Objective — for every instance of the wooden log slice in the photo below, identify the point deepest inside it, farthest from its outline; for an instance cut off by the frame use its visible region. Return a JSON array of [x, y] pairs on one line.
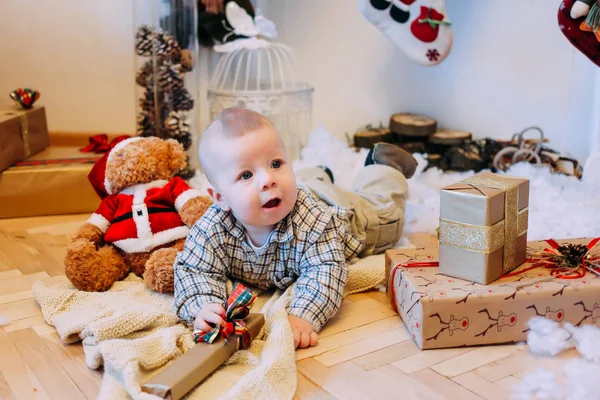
[[449, 137], [368, 137], [409, 124]]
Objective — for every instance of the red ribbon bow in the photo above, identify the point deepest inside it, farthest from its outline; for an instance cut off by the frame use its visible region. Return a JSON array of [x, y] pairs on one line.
[[100, 144]]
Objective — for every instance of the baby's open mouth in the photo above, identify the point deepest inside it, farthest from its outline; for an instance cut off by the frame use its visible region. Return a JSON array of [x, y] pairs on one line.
[[272, 203]]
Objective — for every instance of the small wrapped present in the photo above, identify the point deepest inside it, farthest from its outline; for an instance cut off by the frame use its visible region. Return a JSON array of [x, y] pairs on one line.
[[483, 226], [52, 182], [23, 133], [211, 351], [561, 283]]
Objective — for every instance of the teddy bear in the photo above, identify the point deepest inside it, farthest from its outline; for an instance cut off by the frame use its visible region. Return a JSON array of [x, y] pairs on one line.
[[142, 221]]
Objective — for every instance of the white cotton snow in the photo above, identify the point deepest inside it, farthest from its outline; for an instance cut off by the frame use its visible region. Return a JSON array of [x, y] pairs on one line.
[[547, 337], [539, 384], [587, 339], [3, 320]]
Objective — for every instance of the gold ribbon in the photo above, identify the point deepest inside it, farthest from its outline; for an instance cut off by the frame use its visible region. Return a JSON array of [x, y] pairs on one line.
[[487, 239], [24, 128]]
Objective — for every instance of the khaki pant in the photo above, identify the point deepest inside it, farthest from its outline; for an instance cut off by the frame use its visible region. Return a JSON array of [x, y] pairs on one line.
[[376, 203]]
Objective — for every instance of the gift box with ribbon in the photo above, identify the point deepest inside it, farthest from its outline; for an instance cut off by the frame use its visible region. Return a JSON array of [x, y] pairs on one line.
[[483, 226], [52, 182], [23, 133], [560, 281], [213, 348]]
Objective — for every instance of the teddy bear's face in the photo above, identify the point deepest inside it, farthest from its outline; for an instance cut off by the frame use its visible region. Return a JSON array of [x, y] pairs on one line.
[[144, 161]]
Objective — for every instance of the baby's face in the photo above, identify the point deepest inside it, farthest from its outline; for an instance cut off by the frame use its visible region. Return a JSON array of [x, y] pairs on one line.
[[254, 178]]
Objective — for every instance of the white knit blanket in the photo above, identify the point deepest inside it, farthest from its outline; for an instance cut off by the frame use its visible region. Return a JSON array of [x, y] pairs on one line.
[[134, 333]]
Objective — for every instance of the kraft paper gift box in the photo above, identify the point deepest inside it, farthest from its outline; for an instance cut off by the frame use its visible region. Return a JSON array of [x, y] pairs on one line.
[[23, 133], [190, 369], [483, 226], [52, 182], [440, 311]]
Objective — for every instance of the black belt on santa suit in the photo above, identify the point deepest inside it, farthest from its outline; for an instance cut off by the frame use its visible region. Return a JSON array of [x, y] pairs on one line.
[[151, 210]]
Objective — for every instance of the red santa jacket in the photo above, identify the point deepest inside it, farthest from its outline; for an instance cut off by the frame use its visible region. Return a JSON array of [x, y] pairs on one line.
[[144, 216]]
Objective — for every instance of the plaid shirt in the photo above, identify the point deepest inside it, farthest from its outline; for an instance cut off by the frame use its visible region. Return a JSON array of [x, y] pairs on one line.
[[310, 246]]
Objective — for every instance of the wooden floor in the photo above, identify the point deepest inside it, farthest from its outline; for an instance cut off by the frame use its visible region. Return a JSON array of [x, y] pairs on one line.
[[364, 353]]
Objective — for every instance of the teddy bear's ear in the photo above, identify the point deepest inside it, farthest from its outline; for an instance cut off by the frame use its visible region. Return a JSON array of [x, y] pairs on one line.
[[178, 155]]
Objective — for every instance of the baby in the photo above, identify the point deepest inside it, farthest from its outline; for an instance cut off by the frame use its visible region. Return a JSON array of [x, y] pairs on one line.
[[270, 228]]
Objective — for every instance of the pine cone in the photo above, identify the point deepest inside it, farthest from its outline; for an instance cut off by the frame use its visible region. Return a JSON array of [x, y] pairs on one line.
[[143, 41], [147, 103], [187, 172], [178, 128], [182, 100], [166, 45], [186, 60], [144, 75], [169, 78], [145, 127]]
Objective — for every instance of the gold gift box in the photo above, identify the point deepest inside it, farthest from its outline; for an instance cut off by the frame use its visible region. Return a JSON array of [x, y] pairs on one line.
[[58, 184], [189, 370], [441, 312], [483, 226], [22, 134]]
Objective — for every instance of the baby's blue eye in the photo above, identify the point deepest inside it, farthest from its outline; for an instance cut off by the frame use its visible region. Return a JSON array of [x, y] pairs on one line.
[[246, 175], [276, 164]]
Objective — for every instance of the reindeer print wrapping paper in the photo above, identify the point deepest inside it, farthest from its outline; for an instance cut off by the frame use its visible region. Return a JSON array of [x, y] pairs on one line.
[[441, 311]]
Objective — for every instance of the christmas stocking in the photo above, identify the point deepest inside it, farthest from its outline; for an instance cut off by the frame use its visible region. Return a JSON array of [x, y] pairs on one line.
[[420, 28], [579, 21]]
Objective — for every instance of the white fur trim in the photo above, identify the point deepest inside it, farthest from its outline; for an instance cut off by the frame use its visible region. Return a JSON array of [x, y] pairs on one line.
[[139, 212], [117, 147], [147, 244], [99, 221], [132, 190], [184, 197]]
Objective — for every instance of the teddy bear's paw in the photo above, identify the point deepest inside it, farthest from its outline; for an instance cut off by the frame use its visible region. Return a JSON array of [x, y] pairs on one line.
[[93, 270], [159, 270]]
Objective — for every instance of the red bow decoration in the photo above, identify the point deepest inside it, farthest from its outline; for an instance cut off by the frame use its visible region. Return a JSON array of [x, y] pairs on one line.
[[238, 307], [100, 144]]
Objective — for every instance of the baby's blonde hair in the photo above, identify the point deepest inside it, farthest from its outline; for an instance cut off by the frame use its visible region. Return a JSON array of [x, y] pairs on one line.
[[230, 123]]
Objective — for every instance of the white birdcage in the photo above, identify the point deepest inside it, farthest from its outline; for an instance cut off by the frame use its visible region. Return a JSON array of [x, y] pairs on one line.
[[257, 74]]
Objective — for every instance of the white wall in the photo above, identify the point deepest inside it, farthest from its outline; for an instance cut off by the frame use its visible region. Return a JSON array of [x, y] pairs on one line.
[[78, 54], [509, 68]]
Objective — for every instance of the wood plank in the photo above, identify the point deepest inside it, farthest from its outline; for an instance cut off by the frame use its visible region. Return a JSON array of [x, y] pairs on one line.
[[449, 388], [36, 323], [356, 320], [87, 380], [350, 336], [381, 297], [483, 388], [15, 371], [347, 309], [307, 390], [504, 367], [387, 355], [5, 392], [380, 380], [45, 365], [362, 347], [508, 383], [473, 359], [20, 309], [21, 257], [21, 283], [38, 250], [427, 358], [333, 381], [13, 297], [11, 273]]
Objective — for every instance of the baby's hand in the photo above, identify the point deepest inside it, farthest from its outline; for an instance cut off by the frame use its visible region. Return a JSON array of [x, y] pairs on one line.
[[210, 313], [304, 332]]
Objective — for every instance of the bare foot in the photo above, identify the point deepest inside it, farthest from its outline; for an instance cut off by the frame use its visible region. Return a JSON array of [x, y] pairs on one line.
[[304, 332]]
